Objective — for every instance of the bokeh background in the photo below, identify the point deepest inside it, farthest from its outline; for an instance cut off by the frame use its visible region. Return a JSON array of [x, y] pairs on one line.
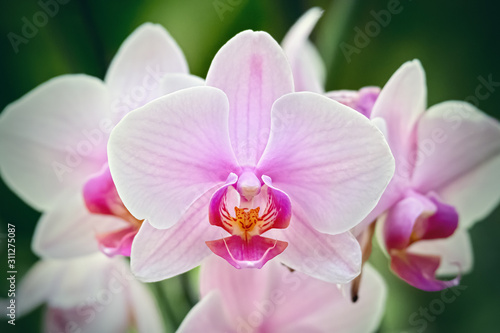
[[456, 41]]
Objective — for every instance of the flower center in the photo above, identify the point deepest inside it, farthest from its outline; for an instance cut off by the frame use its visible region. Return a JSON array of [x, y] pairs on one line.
[[257, 208]]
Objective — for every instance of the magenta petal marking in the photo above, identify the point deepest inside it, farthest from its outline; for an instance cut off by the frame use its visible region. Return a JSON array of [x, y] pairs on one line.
[[282, 204], [420, 271], [117, 242], [361, 101], [400, 220], [253, 253], [97, 190], [441, 224], [367, 98], [217, 199]]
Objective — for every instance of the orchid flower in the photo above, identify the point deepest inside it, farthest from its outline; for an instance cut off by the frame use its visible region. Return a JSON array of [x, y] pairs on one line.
[[275, 299], [309, 71], [89, 294], [446, 162], [249, 170], [54, 139], [447, 178]]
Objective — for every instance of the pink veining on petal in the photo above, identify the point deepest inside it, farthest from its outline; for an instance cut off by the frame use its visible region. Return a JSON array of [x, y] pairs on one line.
[[253, 253], [101, 197], [420, 271]]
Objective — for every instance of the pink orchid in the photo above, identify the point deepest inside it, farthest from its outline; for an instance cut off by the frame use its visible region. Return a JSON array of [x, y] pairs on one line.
[[309, 70], [275, 299], [447, 162], [248, 168], [88, 294], [54, 141], [421, 232]]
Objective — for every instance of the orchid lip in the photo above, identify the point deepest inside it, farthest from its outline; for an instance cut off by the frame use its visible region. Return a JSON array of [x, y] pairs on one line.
[[246, 208], [418, 218]]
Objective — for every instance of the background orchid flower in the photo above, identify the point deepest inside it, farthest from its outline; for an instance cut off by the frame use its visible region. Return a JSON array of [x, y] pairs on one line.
[[424, 214], [274, 299], [309, 72], [447, 178], [53, 143], [88, 294], [248, 168]]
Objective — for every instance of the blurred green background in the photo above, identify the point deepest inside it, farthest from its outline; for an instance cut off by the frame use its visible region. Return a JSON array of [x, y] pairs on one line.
[[456, 41]]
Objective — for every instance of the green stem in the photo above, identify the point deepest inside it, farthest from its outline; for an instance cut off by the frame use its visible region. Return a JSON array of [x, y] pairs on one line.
[[165, 306], [187, 290]]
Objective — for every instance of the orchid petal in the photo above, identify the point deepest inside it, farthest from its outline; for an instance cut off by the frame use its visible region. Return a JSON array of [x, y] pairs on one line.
[[459, 149], [400, 103], [136, 71], [361, 101], [167, 154], [159, 254], [209, 315], [80, 292], [455, 253], [285, 300], [253, 72], [239, 288], [420, 271], [54, 137], [145, 311], [109, 319], [333, 163], [76, 293], [331, 258], [307, 66], [401, 218], [66, 282], [441, 224], [117, 242], [317, 306], [30, 295], [76, 282], [69, 230]]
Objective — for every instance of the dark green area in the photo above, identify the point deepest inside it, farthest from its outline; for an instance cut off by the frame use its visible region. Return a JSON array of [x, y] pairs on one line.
[[456, 41]]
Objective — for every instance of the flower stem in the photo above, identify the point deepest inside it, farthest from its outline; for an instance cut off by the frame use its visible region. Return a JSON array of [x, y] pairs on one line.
[[164, 304], [188, 291]]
